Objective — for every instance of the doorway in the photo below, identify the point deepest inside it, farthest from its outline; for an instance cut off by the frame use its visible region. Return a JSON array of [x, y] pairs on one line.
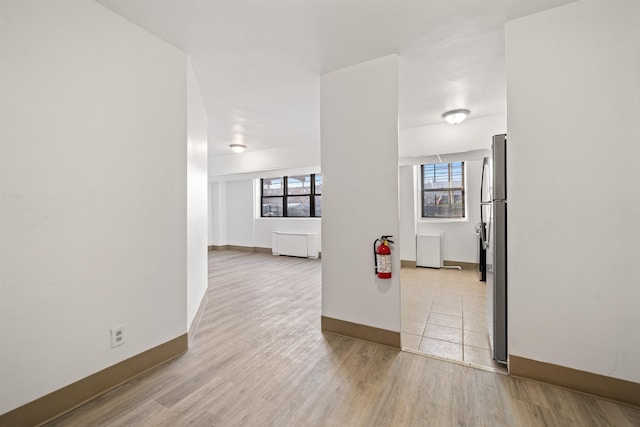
[[443, 310]]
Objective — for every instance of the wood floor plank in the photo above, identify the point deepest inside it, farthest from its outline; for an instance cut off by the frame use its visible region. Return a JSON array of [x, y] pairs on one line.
[[259, 358]]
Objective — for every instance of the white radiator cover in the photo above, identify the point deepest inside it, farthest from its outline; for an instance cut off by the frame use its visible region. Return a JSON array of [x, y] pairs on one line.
[[295, 244], [429, 251]]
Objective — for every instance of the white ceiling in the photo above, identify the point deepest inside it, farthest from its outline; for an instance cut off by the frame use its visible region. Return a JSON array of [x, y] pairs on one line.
[[258, 62]]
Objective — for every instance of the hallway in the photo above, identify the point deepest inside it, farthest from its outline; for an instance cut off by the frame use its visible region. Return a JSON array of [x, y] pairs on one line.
[[258, 358]]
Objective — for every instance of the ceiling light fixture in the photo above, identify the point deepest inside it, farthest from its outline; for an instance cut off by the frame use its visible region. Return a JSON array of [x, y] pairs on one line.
[[455, 117], [237, 148]]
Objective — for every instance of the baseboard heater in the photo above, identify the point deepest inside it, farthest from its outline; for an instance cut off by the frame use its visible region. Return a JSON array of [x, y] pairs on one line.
[[430, 253], [303, 245]]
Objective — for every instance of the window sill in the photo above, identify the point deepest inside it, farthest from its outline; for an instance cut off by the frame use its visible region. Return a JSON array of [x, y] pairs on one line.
[[268, 218], [441, 220]]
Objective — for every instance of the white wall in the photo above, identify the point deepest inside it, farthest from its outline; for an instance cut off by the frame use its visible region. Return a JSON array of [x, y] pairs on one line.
[[197, 193], [574, 226], [359, 128], [303, 155], [265, 226], [217, 213], [463, 142], [407, 191], [251, 231], [93, 194], [240, 213], [460, 241], [472, 134]]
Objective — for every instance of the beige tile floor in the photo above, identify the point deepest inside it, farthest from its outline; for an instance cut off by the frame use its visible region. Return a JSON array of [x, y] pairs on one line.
[[444, 315]]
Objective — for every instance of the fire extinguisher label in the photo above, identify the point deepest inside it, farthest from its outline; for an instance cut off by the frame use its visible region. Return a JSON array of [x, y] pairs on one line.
[[384, 263]]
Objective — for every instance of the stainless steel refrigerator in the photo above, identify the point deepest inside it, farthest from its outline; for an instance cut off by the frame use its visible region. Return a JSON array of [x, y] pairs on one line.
[[494, 218]]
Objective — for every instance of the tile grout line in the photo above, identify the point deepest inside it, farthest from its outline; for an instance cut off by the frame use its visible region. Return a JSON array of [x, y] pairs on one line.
[[437, 298], [426, 323]]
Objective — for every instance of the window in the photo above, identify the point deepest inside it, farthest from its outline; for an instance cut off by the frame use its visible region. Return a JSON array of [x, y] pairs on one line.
[[292, 196], [443, 190]]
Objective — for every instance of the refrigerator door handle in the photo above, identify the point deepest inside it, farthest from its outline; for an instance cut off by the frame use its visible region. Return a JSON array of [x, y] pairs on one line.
[[484, 222], [485, 170], [487, 236]]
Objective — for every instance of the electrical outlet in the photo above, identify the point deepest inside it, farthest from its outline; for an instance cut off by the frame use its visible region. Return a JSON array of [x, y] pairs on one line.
[[117, 336]]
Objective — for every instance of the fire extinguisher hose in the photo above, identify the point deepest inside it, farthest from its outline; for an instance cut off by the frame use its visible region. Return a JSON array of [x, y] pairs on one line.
[[375, 258]]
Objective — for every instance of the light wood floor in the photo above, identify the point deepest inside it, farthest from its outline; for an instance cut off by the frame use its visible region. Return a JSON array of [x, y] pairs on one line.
[[259, 359]]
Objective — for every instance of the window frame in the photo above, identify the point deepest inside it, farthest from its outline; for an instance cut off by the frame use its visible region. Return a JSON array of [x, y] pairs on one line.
[[285, 195], [449, 188]]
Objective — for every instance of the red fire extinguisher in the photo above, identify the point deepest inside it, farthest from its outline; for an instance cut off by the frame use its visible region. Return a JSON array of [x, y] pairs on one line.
[[382, 257]]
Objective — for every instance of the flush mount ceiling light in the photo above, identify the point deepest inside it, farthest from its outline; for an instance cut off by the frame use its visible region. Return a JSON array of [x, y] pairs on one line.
[[456, 116], [237, 148]]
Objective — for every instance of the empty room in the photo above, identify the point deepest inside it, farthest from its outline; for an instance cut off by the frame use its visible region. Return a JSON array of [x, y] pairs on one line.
[[319, 213]]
